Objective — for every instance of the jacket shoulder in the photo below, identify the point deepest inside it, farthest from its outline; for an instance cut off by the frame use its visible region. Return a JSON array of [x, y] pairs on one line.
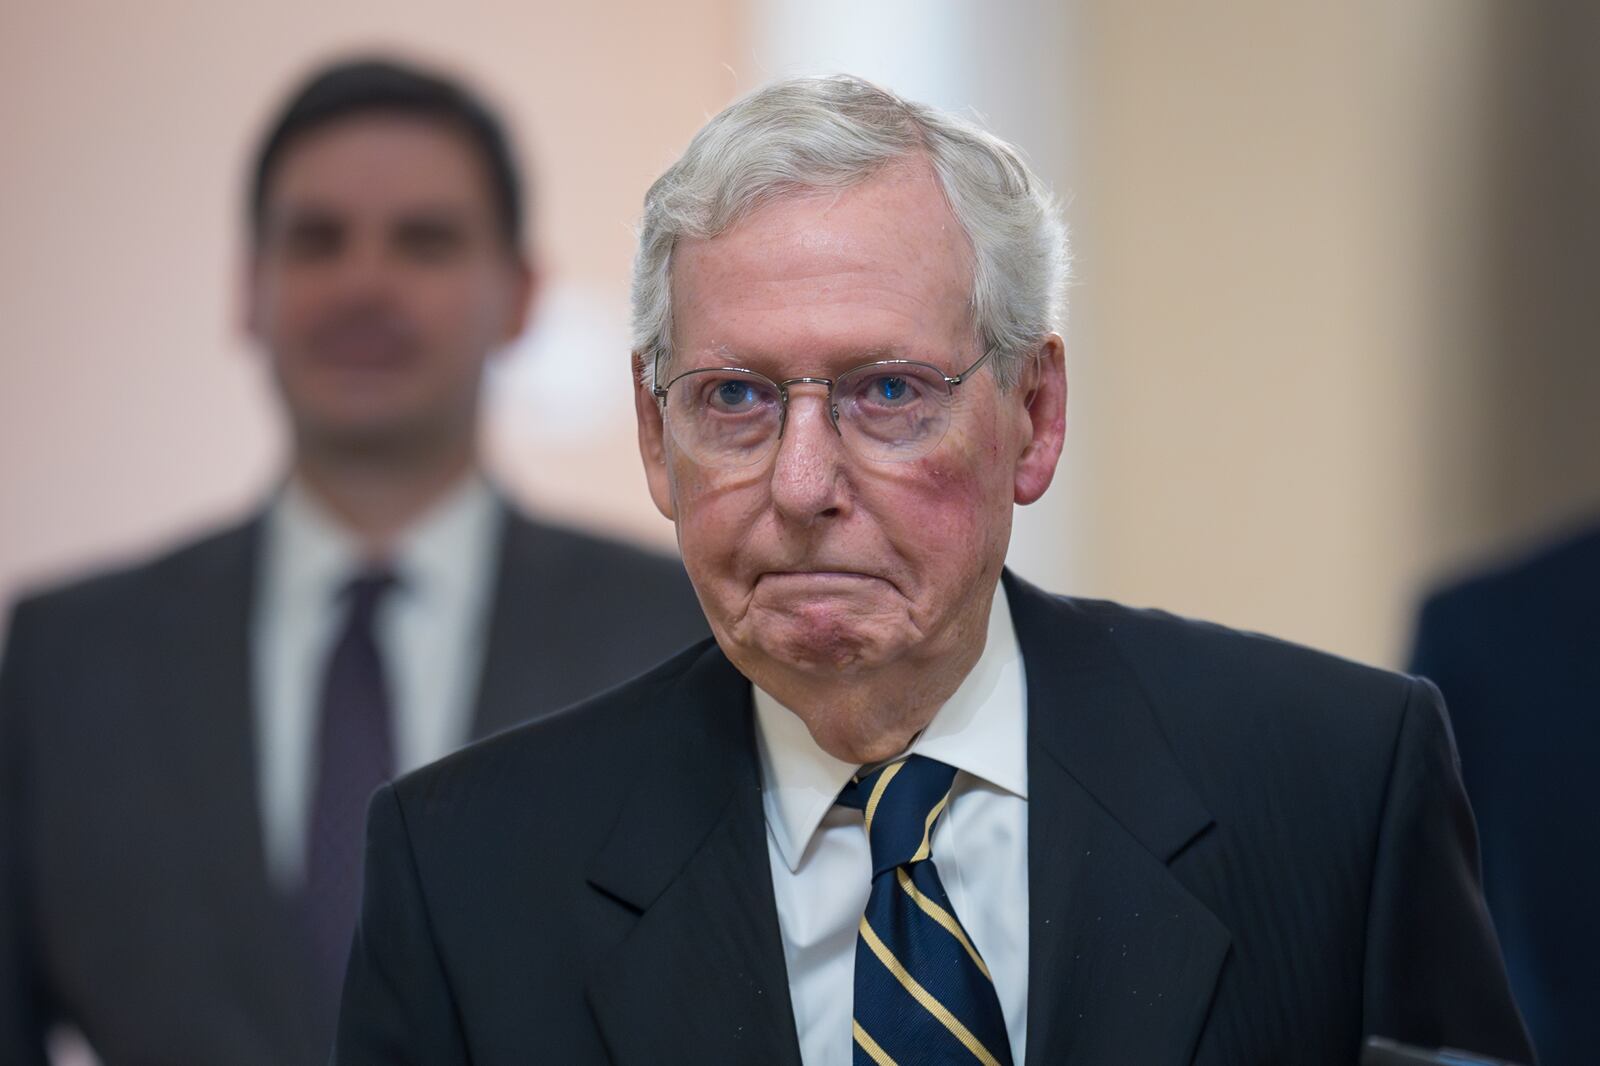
[[588, 746], [621, 607], [1516, 611], [112, 591], [586, 567], [570, 545], [1547, 572], [1172, 651], [1236, 706]]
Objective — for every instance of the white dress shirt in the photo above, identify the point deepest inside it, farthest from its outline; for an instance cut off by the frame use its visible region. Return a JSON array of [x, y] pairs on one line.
[[822, 865], [430, 630]]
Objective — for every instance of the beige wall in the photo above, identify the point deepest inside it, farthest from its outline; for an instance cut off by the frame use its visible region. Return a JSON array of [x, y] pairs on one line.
[[130, 406], [1280, 214], [1539, 456]]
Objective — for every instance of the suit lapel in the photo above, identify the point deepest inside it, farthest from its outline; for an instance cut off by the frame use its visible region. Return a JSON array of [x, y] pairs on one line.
[[524, 636], [213, 776], [1123, 960], [208, 630], [701, 976]]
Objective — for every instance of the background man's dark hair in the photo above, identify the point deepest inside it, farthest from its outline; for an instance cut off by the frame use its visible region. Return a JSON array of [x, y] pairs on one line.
[[357, 87]]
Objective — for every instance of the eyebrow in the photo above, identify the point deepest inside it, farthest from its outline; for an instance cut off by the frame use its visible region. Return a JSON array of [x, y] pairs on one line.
[[434, 215], [311, 210]]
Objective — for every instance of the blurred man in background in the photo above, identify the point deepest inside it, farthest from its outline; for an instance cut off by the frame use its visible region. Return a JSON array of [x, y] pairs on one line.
[[1516, 651], [187, 746]]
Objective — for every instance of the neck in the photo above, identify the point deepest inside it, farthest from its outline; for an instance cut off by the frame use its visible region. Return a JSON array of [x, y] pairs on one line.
[[866, 720], [377, 497]]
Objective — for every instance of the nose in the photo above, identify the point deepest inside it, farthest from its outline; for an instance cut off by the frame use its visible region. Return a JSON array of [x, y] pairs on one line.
[[365, 270], [808, 477]]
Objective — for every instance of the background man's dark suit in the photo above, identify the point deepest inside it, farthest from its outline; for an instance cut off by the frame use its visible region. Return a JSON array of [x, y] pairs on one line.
[[1517, 654], [1240, 852], [133, 886]]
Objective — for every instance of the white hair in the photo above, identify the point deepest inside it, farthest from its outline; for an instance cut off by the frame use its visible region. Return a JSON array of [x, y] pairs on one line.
[[828, 133]]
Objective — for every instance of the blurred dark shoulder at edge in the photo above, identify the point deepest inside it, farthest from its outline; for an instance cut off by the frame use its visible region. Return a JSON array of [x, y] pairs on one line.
[[118, 572], [1544, 563]]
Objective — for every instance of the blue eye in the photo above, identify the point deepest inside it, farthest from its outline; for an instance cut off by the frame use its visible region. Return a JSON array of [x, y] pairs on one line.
[[889, 388], [732, 396]]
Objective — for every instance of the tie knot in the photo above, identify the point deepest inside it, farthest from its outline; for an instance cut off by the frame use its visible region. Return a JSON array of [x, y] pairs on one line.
[[901, 800], [364, 591]]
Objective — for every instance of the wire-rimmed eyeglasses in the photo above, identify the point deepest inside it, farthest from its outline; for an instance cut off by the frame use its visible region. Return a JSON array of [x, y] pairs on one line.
[[888, 411]]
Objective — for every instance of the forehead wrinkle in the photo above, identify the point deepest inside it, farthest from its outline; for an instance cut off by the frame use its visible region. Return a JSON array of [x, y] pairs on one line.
[[814, 254], [882, 301], [779, 362]]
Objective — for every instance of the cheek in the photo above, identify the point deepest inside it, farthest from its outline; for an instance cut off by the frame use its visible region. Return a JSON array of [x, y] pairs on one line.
[[949, 528], [456, 328], [287, 303], [714, 517], [944, 507], [445, 305]]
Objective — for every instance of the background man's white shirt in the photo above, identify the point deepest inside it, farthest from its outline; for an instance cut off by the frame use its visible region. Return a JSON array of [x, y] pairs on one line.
[[430, 629], [822, 866]]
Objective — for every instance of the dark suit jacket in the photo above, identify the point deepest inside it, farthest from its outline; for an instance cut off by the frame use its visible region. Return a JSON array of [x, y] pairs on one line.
[[133, 895], [1517, 653], [1239, 852]]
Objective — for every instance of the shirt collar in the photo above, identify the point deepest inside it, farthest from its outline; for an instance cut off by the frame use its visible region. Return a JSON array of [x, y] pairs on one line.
[[313, 554], [981, 729], [309, 554], [447, 551]]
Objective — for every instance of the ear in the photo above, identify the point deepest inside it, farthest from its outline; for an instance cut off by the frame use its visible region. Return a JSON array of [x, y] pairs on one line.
[[652, 440], [525, 285], [1043, 396]]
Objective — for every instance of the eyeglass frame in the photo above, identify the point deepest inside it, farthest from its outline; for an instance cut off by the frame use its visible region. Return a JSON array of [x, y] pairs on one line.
[[951, 381]]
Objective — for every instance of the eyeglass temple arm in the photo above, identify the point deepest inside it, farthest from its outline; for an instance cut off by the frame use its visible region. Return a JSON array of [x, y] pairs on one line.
[[959, 378], [655, 377]]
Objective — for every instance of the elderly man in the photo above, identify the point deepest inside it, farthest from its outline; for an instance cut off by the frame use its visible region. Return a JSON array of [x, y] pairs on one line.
[[905, 807]]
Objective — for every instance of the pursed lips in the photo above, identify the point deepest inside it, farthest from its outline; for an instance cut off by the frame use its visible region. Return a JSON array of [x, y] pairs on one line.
[[819, 577]]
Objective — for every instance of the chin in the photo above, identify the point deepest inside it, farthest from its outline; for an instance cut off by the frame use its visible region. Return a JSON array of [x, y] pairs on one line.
[[373, 432], [826, 645]]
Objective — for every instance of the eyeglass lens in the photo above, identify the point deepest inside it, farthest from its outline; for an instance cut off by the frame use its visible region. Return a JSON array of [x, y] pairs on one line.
[[885, 412]]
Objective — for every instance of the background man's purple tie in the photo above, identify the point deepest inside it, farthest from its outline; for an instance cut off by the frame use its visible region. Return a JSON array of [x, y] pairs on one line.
[[354, 755]]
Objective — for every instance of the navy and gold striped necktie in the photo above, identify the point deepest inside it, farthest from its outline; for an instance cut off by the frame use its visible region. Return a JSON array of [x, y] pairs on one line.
[[922, 992]]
